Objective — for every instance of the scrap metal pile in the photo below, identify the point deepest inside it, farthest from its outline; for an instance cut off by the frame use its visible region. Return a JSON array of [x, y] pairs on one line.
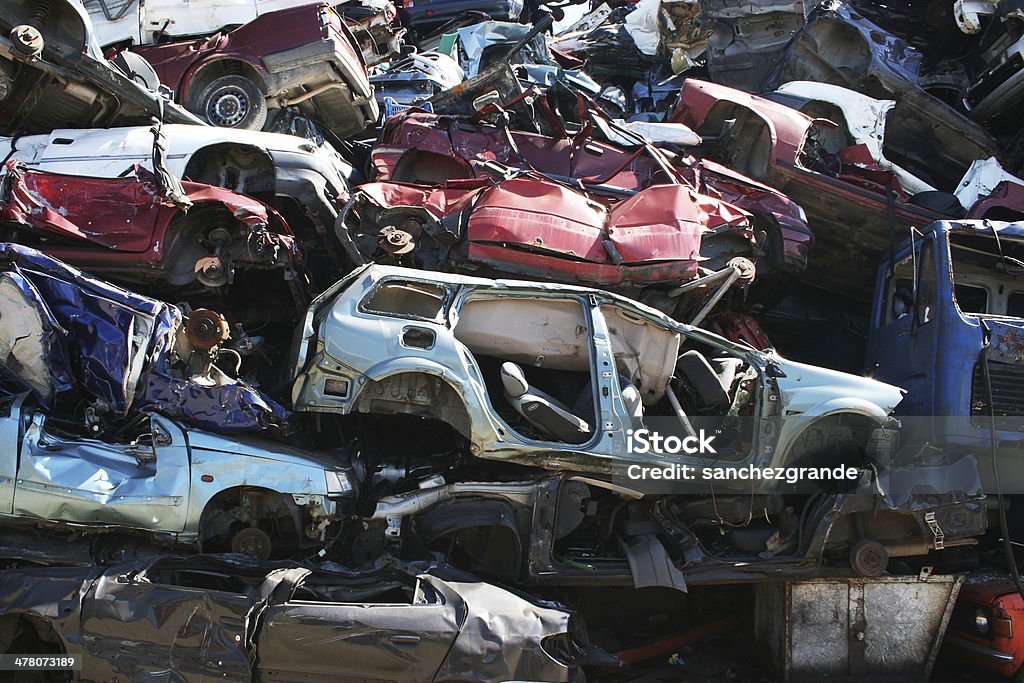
[[305, 307]]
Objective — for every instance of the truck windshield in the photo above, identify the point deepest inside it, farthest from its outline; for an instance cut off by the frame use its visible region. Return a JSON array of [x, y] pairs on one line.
[[988, 276]]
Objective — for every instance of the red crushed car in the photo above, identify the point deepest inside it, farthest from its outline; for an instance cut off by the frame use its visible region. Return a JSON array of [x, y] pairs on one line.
[[529, 225], [304, 57], [125, 228], [858, 203], [425, 148]]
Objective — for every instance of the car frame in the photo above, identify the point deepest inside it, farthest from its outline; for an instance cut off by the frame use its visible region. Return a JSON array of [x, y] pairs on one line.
[[371, 354], [44, 47], [179, 486]]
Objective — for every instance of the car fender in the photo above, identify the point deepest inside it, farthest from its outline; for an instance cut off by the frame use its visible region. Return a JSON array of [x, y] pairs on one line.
[[793, 427], [214, 472]]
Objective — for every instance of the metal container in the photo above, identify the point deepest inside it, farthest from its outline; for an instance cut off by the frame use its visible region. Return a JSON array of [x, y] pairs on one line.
[[854, 629]]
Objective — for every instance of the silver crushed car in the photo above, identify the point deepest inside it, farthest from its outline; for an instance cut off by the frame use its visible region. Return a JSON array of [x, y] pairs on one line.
[[223, 617]]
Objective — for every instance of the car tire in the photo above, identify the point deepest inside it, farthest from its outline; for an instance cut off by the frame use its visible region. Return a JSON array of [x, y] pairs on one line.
[[869, 558], [252, 542], [233, 102]]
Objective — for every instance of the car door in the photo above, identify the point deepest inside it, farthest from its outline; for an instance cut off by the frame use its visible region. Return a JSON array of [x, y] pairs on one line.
[[307, 639], [143, 484], [10, 408], [903, 343], [178, 619]]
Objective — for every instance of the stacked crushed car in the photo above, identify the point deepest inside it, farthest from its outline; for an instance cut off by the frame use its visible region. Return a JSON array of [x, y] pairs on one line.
[[373, 296]]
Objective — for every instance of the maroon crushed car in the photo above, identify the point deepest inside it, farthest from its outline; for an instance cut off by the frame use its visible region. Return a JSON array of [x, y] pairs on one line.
[[531, 226], [423, 148], [124, 228], [304, 57], [857, 207]]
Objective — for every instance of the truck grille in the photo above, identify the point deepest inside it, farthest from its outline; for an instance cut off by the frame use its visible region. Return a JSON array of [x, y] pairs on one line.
[[1007, 390]]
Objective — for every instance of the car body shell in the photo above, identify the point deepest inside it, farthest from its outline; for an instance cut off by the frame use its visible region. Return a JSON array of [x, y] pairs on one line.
[[848, 211], [161, 488], [414, 145], [314, 63], [264, 621], [341, 340], [69, 83], [82, 221], [284, 170]]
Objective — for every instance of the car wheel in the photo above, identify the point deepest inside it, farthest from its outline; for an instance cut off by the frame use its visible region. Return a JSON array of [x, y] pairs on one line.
[[252, 542], [869, 558], [233, 102]]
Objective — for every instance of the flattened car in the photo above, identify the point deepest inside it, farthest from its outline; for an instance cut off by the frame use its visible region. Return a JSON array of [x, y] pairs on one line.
[[53, 74], [137, 231], [853, 188], [607, 161], [228, 618]]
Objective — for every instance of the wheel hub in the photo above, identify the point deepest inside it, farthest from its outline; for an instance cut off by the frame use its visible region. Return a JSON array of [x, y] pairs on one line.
[[229, 108]]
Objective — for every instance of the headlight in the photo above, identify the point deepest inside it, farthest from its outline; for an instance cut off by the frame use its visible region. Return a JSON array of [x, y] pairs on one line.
[[561, 648], [337, 482], [981, 622]]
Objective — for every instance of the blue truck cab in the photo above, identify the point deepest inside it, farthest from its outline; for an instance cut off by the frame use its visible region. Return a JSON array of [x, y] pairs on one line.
[[949, 302]]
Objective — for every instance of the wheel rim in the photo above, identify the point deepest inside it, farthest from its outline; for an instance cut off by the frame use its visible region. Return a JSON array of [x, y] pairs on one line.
[[251, 542], [228, 107]]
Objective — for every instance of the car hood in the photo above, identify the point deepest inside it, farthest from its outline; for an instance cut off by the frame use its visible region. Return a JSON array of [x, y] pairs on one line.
[[805, 386]]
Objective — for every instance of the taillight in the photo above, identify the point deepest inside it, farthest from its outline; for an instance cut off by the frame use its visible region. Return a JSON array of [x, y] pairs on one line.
[[330, 19]]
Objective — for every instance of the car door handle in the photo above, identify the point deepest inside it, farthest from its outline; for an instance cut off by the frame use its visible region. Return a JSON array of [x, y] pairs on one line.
[[404, 639]]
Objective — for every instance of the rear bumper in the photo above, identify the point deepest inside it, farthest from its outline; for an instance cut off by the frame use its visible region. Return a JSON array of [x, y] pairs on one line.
[[328, 77]]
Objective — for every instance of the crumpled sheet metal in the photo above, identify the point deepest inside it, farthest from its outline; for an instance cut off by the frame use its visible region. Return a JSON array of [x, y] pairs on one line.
[[925, 478], [478, 37], [137, 621], [656, 234], [129, 220], [493, 615], [116, 347]]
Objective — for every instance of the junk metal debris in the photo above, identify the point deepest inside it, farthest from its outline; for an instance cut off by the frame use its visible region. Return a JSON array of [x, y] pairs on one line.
[[311, 352]]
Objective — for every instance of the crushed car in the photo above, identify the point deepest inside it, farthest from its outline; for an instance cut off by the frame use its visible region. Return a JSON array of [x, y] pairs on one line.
[[52, 74], [179, 486], [863, 174], [226, 616], [117, 418], [150, 23], [305, 182], [130, 228], [839, 46], [602, 157], [556, 380], [233, 79], [99, 352], [650, 243]]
